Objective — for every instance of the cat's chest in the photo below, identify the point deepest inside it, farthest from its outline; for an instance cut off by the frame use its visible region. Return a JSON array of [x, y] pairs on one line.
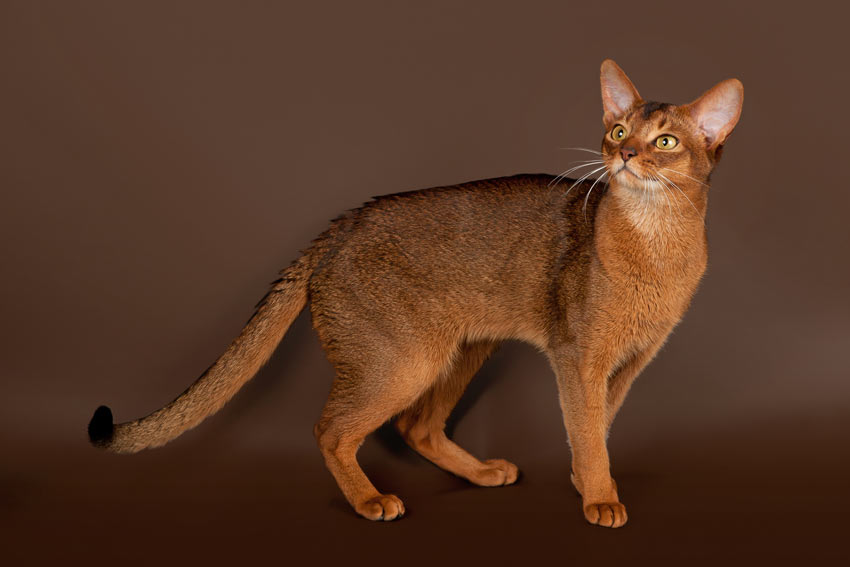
[[652, 296], [641, 302]]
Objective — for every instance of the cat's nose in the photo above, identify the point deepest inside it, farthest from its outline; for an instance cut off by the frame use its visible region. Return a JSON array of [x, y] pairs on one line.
[[628, 153]]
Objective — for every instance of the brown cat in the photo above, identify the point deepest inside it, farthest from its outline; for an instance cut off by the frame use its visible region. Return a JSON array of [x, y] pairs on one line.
[[412, 292]]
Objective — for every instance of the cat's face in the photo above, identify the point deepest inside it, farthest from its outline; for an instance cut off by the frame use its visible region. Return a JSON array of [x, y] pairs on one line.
[[649, 144]]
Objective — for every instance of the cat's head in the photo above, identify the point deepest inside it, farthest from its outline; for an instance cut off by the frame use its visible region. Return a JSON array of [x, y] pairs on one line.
[[647, 142]]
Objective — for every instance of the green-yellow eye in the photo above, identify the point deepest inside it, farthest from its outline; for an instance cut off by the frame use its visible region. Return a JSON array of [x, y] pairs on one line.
[[666, 142], [618, 133]]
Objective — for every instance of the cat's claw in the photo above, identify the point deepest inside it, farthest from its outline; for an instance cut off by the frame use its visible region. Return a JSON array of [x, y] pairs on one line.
[[498, 472], [386, 507], [606, 514]]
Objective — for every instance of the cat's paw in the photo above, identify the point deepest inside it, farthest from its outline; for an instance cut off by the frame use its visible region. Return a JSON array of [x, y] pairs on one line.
[[384, 507], [496, 472], [607, 514]]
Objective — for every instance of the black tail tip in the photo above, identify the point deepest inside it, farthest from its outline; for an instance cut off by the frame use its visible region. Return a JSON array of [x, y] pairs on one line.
[[100, 427]]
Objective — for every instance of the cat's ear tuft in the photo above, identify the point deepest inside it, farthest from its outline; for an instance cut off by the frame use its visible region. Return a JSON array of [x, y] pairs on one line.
[[717, 111], [618, 92]]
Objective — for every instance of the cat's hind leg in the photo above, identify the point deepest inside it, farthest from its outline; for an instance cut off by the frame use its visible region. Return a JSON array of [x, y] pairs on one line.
[[371, 387], [423, 424]]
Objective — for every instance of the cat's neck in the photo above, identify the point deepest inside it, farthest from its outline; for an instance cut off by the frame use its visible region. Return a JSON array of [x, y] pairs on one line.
[[655, 209], [655, 223]]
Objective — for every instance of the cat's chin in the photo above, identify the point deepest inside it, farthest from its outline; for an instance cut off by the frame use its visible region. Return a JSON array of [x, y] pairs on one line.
[[625, 177]]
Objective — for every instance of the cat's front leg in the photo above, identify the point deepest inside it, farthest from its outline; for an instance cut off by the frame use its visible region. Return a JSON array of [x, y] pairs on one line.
[[622, 378], [583, 389]]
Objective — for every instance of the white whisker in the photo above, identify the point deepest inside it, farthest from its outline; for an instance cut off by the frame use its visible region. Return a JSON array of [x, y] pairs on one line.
[[688, 176], [561, 176], [584, 208], [583, 150], [682, 192], [572, 169], [585, 176], [669, 205]]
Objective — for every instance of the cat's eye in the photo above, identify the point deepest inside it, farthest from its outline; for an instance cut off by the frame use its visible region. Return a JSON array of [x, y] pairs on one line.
[[666, 142], [618, 133]]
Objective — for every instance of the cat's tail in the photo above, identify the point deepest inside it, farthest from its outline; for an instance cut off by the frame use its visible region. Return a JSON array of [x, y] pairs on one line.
[[239, 363]]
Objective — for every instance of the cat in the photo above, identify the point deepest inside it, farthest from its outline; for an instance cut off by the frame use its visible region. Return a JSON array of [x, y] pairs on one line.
[[413, 291]]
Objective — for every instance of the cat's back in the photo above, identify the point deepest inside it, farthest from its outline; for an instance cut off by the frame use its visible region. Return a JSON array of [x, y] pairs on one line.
[[450, 223], [502, 196], [483, 255], [501, 228], [455, 211]]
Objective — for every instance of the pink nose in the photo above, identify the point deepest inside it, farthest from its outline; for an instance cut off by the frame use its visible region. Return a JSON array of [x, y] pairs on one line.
[[628, 153]]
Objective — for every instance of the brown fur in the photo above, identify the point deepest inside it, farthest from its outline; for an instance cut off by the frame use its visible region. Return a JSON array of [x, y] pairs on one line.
[[412, 292]]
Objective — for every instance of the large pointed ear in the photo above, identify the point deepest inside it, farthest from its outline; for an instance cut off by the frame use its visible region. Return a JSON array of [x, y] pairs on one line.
[[618, 93], [718, 110]]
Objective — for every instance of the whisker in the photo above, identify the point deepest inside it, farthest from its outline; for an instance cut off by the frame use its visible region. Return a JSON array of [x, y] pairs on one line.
[[688, 176], [586, 197], [682, 192], [649, 181], [669, 204], [583, 150], [681, 210], [561, 176], [586, 163], [582, 163], [583, 177], [586, 175], [572, 169]]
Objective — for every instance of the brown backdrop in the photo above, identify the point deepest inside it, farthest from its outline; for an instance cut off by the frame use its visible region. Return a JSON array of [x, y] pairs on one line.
[[161, 161]]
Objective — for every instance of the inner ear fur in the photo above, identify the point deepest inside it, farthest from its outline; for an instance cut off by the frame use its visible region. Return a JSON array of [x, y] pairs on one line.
[[619, 94], [717, 111]]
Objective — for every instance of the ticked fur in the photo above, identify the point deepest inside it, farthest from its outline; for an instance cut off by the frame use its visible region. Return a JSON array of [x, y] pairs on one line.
[[412, 292]]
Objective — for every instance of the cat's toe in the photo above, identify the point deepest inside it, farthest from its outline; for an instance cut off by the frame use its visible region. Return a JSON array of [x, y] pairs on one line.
[[384, 507], [606, 514], [497, 472]]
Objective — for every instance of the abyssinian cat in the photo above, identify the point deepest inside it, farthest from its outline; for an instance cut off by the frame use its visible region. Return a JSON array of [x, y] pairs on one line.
[[412, 292]]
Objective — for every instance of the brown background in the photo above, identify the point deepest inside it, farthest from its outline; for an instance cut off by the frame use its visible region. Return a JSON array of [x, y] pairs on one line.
[[161, 161]]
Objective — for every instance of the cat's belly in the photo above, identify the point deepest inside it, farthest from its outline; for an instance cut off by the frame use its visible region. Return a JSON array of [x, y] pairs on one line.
[[497, 322]]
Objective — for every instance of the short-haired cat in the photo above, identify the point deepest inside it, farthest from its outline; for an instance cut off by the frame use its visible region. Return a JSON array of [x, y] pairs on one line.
[[412, 292]]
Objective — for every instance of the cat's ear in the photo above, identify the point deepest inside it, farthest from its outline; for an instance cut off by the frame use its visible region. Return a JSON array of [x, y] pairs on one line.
[[618, 93], [718, 110]]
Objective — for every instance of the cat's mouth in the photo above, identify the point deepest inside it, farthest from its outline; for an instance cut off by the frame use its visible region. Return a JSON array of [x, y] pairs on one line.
[[631, 179], [625, 167]]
